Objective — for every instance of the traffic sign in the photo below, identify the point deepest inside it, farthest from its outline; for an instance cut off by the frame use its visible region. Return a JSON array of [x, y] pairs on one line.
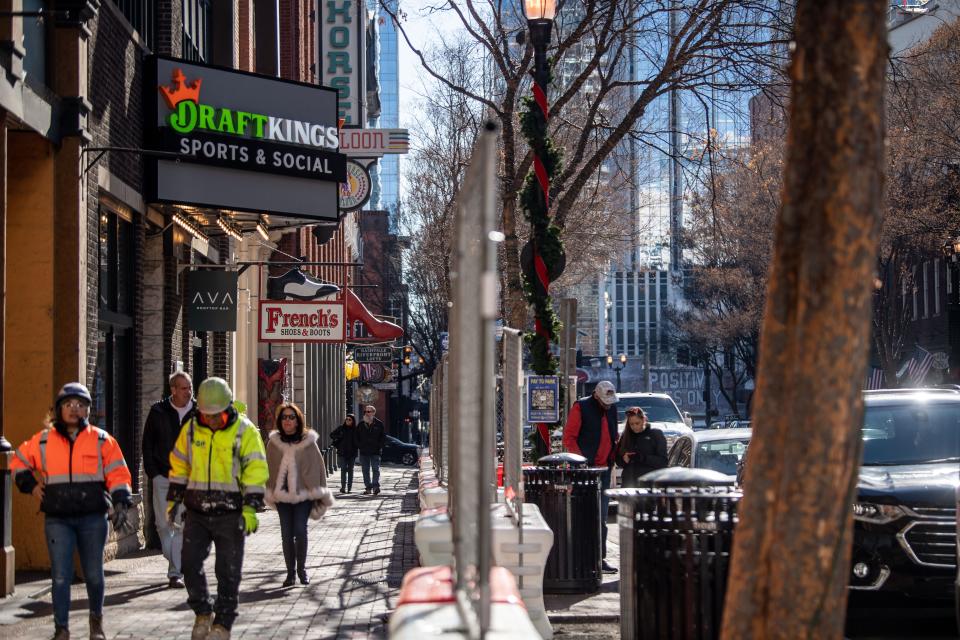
[[372, 355]]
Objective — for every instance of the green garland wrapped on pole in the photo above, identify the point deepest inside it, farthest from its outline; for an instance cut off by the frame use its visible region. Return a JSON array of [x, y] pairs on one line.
[[542, 258]]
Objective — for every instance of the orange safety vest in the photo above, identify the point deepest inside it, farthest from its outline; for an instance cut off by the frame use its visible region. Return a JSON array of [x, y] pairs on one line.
[[76, 474]]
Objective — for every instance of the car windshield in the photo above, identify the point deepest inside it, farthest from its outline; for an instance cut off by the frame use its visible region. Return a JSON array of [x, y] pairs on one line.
[[393, 440], [657, 409], [721, 455], [913, 433]]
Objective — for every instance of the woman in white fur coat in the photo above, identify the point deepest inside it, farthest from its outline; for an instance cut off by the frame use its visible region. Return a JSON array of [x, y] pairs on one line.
[[297, 487]]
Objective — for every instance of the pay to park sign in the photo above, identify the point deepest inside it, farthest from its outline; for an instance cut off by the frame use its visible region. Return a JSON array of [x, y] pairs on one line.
[[293, 321]]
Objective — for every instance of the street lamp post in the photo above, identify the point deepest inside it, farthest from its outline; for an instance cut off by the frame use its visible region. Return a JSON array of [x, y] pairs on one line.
[[618, 369], [542, 259]]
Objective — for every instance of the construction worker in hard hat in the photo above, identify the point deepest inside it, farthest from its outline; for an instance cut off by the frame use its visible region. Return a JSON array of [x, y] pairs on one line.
[[218, 471], [79, 477]]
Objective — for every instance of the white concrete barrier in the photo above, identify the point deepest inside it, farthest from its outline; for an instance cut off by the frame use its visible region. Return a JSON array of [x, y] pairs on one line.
[[419, 621], [426, 607], [433, 497], [537, 541], [433, 534]]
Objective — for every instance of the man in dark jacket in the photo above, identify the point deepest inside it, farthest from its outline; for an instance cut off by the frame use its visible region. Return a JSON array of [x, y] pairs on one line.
[[591, 431], [159, 436], [371, 436]]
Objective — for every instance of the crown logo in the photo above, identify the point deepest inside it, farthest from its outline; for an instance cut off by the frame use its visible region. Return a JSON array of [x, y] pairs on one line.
[[180, 90]]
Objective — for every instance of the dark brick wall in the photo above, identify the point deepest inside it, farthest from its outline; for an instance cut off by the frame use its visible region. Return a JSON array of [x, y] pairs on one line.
[[116, 120], [169, 36]]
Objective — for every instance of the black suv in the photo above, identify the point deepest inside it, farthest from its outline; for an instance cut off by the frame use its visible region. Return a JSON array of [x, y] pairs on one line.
[[905, 517]]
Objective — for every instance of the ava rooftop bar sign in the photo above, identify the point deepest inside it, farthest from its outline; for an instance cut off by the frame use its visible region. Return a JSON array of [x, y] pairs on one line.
[[244, 142]]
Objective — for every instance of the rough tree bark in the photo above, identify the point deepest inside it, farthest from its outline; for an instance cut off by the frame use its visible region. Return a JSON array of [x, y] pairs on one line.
[[792, 546]]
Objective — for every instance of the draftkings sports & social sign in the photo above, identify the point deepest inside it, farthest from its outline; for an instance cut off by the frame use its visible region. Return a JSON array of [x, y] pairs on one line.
[[244, 142]]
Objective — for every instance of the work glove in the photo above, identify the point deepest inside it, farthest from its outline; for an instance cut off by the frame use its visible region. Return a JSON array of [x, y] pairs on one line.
[[173, 513], [250, 522], [119, 517]]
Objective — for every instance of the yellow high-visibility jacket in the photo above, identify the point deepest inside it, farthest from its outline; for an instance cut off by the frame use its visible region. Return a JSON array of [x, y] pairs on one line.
[[215, 472]]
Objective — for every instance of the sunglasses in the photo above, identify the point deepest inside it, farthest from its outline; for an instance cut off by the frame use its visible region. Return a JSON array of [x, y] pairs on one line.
[[368, 412], [76, 404], [288, 416]]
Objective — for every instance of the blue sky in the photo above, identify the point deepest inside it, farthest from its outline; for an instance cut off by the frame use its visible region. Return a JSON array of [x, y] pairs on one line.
[[423, 30]]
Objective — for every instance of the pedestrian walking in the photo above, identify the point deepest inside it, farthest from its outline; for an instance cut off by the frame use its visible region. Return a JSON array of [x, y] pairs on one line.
[[79, 477], [160, 433], [371, 436], [218, 470], [641, 448], [297, 486], [591, 431], [344, 440]]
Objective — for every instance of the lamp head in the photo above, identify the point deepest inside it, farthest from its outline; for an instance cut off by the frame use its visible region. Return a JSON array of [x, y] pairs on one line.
[[623, 358], [540, 9], [609, 361]]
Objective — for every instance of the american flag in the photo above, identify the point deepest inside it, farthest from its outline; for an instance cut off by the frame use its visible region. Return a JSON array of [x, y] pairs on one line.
[[915, 369], [875, 378]]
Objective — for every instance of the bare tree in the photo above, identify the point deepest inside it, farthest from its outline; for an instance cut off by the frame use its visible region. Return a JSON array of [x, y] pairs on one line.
[[595, 103], [729, 242], [791, 556], [444, 141]]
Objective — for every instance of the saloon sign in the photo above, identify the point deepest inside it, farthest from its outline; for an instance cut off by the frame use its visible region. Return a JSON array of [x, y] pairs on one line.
[[293, 321], [242, 141]]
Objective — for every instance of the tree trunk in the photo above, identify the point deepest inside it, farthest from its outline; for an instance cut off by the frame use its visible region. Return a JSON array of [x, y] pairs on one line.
[[514, 303], [791, 556]]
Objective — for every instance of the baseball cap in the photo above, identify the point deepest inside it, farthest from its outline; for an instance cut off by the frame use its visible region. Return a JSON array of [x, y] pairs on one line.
[[606, 392]]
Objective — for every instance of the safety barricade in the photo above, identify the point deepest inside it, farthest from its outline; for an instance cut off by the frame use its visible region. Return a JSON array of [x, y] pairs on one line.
[[537, 539], [427, 607], [433, 535]]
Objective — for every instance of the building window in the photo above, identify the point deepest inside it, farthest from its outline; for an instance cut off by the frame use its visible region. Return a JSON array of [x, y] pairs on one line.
[[926, 290], [936, 286], [913, 286], [139, 13], [195, 31], [114, 378]]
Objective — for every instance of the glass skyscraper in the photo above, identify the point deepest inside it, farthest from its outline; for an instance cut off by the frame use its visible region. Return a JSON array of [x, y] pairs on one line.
[[385, 175]]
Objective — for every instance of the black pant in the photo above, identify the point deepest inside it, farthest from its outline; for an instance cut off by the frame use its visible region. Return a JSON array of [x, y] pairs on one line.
[[346, 470], [604, 507], [226, 533], [293, 533]]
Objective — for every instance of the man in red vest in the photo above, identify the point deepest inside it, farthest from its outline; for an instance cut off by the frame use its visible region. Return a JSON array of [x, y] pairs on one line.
[[591, 431]]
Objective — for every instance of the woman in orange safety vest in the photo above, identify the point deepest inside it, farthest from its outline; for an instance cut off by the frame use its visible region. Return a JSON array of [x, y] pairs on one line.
[[78, 475]]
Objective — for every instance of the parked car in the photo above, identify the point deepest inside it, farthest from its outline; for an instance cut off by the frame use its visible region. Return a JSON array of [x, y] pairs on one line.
[[719, 450], [905, 517], [400, 452]]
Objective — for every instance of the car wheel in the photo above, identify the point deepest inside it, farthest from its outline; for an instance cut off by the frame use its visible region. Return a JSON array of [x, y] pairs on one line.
[[408, 459]]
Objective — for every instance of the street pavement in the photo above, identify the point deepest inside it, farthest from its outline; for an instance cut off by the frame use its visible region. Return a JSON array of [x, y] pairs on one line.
[[358, 554]]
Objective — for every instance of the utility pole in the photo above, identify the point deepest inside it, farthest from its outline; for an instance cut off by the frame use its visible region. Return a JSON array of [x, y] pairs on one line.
[[676, 190], [568, 353]]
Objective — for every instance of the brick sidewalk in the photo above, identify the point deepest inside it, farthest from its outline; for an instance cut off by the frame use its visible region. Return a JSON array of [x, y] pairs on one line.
[[357, 556]]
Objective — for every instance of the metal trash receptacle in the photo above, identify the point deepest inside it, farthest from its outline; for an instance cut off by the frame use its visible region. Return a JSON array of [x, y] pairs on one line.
[[568, 495], [676, 534]]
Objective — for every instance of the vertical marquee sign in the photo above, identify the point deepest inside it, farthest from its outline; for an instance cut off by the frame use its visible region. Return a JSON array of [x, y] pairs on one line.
[[342, 55]]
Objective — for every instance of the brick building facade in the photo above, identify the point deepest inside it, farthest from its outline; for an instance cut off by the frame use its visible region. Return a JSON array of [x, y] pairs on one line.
[[94, 276]]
